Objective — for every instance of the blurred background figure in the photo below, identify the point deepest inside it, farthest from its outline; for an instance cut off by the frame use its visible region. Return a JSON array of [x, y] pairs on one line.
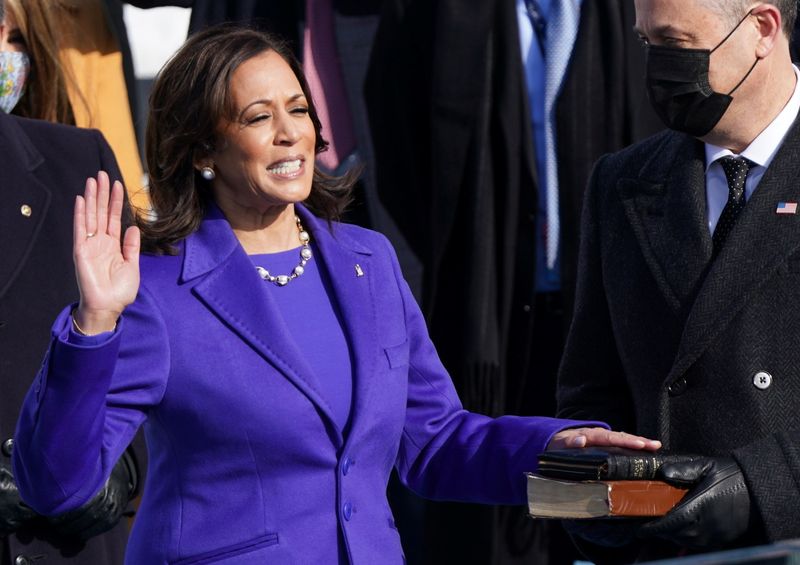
[[43, 166], [506, 105], [80, 76]]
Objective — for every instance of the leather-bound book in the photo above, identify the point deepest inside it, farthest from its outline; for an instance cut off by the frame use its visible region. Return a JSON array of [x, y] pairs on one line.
[[604, 463], [553, 498]]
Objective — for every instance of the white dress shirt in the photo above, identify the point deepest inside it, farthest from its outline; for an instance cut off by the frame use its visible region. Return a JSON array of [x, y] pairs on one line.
[[761, 152]]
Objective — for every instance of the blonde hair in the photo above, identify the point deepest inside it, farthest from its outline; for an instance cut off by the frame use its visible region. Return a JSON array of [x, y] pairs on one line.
[[45, 95]]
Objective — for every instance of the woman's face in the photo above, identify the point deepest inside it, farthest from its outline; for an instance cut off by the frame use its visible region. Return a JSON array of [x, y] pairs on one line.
[[265, 155], [10, 36]]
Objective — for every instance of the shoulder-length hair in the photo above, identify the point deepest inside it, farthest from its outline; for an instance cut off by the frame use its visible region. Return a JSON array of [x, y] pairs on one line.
[[190, 97], [46, 96]]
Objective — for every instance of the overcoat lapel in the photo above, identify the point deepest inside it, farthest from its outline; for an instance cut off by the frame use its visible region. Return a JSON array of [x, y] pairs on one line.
[[349, 266], [21, 187], [235, 293], [758, 245], [666, 207]]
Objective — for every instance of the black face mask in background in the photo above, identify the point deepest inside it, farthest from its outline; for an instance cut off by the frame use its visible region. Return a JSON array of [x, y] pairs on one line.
[[678, 87]]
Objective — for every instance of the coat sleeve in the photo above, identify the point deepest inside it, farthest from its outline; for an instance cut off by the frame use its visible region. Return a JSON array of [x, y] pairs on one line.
[[591, 382], [85, 406], [447, 453]]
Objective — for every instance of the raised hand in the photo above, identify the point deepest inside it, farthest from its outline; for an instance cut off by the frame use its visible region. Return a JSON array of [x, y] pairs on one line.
[[587, 437], [107, 272]]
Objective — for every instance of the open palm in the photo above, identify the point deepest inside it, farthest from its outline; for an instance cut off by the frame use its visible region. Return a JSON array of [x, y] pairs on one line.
[[107, 271]]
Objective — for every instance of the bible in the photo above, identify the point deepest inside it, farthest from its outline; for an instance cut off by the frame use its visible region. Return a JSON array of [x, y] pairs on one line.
[[554, 498], [599, 482]]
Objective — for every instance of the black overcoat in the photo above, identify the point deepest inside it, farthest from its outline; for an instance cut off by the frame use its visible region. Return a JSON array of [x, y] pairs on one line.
[[43, 167], [666, 342]]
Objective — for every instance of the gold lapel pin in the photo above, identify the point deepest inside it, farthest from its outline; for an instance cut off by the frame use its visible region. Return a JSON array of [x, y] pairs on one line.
[[359, 271]]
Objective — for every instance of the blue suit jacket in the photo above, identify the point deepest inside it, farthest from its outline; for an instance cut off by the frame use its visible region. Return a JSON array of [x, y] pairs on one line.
[[246, 462]]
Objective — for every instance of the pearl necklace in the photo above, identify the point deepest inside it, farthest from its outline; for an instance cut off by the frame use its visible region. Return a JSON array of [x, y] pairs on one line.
[[305, 256]]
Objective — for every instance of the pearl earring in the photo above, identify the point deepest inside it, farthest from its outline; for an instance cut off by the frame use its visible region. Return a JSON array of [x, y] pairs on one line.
[[208, 173]]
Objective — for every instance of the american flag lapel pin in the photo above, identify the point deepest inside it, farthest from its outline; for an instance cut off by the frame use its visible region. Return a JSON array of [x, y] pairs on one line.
[[360, 272], [786, 208]]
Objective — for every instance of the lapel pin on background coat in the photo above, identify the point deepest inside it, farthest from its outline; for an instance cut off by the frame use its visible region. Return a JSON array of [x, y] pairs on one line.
[[360, 272], [786, 208]]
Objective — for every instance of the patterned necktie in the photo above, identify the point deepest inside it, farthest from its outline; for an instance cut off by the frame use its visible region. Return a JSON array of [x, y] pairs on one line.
[[736, 169], [562, 29]]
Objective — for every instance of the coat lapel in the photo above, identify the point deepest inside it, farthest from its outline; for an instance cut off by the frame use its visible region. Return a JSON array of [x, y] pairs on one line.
[[20, 187], [234, 292], [666, 207], [349, 266], [759, 244]]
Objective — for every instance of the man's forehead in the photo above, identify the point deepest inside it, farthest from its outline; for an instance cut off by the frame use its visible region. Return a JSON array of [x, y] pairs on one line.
[[669, 17]]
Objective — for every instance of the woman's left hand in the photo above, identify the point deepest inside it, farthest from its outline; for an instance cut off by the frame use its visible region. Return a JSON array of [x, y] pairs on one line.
[[587, 437]]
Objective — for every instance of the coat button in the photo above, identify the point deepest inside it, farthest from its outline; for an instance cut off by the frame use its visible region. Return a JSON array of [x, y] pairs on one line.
[[347, 511], [762, 380], [26, 210], [22, 560], [346, 464], [8, 447]]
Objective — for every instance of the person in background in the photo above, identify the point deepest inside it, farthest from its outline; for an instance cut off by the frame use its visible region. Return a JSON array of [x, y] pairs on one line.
[[687, 316], [506, 106], [275, 357], [77, 76], [42, 166]]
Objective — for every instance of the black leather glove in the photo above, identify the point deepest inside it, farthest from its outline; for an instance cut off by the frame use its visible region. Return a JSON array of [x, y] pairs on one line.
[[716, 511], [13, 512], [102, 512]]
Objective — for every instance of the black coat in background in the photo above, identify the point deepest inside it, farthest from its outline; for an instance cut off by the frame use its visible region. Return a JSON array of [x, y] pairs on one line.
[[668, 343], [450, 123], [44, 166]]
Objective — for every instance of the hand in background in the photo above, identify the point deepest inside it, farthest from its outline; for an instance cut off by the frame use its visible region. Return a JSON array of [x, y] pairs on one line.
[[716, 510], [587, 437], [107, 271]]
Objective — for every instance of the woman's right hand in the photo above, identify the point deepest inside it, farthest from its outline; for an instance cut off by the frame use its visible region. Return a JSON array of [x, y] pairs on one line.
[[107, 271]]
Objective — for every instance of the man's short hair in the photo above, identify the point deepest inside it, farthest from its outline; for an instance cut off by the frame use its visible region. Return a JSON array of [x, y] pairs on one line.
[[734, 10], [2, 11]]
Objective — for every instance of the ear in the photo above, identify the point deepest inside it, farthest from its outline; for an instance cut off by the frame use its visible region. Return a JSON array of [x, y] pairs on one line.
[[769, 25]]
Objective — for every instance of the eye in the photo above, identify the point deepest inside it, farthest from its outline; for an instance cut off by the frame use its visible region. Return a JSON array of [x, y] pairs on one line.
[[300, 110], [643, 41], [258, 118], [15, 37]]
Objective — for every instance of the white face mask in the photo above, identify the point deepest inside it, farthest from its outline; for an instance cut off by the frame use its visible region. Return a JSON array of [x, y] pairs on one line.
[[15, 66]]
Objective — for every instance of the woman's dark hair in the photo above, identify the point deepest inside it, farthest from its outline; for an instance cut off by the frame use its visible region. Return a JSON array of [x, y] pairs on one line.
[[189, 99]]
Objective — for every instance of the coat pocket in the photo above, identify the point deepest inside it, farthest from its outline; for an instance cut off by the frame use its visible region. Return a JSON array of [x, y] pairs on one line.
[[230, 551], [397, 355]]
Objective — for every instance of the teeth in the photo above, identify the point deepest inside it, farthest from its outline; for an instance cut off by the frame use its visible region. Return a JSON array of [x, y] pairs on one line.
[[286, 168]]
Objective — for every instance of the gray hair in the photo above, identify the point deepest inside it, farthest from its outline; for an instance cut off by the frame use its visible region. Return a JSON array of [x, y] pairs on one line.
[[734, 10], [2, 10]]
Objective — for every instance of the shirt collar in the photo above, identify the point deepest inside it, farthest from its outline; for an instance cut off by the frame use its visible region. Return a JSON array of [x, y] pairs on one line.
[[763, 148]]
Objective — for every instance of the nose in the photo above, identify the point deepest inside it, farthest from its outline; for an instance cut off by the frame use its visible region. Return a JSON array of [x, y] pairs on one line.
[[286, 129]]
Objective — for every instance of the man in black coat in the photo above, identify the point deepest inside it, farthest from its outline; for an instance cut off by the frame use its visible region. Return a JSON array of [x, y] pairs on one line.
[[687, 316], [455, 156], [43, 167]]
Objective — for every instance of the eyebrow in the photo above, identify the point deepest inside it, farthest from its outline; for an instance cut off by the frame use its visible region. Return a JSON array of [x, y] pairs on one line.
[[666, 30]]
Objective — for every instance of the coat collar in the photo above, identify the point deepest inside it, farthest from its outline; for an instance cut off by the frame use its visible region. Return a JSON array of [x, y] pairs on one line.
[[666, 207], [230, 287]]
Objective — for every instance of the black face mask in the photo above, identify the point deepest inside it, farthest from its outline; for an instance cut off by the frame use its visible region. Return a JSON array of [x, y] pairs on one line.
[[678, 87]]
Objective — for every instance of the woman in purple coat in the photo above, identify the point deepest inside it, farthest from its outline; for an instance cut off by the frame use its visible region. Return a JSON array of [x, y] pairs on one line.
[[275, 358]]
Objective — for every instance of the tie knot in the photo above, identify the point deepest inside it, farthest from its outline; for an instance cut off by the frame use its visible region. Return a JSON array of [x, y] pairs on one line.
[[736, 169]]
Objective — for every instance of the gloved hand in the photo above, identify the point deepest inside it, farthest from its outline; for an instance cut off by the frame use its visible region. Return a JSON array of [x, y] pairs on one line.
[[13, 512], [103, 511], [716, 510]]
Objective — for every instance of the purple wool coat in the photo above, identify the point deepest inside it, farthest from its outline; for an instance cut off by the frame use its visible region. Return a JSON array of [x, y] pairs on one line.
[[246, 463]]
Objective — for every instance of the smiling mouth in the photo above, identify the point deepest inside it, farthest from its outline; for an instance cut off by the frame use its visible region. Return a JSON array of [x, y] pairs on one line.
[[286, 168]]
